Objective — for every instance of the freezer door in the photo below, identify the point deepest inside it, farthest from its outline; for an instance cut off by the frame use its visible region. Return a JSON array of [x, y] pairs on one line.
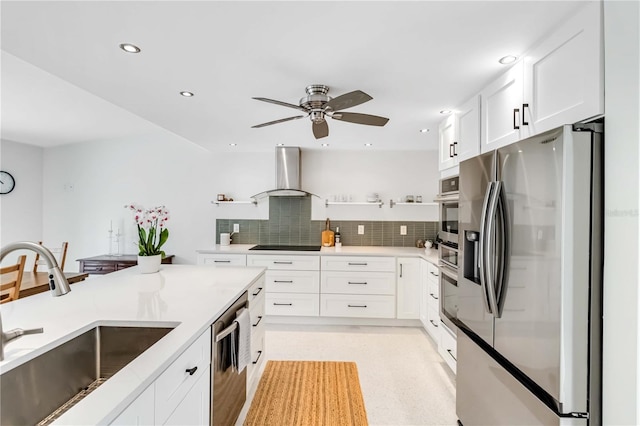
[[486, 394], [473, 305], [543, 329]]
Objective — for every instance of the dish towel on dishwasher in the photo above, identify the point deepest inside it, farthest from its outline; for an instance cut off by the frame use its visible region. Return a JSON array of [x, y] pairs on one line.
[[241, 352]]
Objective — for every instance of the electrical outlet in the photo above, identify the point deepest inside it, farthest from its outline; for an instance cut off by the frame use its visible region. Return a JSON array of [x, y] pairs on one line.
[[403, 229], [360, 229], [236, 227]]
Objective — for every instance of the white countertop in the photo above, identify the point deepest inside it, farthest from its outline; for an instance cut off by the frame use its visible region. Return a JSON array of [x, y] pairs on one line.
[[430, 255], [188, 297]]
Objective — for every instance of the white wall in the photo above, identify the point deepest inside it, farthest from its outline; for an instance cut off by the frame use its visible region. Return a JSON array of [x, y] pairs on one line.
[[21, 209], [621, 387], [87, 185]]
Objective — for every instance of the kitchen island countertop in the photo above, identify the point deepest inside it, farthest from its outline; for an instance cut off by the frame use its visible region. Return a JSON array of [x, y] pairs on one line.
[[189, 298], [430, 255]]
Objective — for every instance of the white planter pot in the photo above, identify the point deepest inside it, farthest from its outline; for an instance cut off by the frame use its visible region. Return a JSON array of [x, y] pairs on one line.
[[149, 264]]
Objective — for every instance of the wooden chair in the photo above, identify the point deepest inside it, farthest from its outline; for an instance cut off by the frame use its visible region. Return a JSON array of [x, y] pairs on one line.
[[60, 253], [16, 280]]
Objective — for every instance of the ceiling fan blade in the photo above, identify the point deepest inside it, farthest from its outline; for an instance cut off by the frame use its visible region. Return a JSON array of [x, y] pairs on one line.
[[348, 100], [282, 120], [354, 117], [273, 101], [321, 129]]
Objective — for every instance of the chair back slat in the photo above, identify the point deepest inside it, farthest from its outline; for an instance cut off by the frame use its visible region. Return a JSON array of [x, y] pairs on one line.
[[16, 280], [60, 253]]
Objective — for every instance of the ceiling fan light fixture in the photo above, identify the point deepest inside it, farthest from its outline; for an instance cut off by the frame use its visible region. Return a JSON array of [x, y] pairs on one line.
[[129, 48], [509, 59], [187, 94]]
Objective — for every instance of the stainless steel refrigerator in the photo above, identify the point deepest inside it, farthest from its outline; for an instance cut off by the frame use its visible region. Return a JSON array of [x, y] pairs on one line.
[[529, 287]]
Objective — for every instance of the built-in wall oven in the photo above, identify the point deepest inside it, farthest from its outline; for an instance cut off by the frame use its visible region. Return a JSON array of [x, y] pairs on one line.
[[448, 250]]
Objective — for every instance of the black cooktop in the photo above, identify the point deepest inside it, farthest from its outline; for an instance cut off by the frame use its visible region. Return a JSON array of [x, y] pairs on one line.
[[283, 247]]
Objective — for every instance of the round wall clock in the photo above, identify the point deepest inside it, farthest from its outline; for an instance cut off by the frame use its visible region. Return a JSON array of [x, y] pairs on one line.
[[7, 182]]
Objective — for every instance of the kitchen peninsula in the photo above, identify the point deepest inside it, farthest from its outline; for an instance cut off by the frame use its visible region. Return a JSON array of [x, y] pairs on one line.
[[183, 297]]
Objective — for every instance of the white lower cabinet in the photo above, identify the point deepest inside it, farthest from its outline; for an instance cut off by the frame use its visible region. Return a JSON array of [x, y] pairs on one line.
[[222, 259], [139, 412], [430, 300], [296, 304], [357, 306], [408, 288], [257, 314], [194, 408], [447, 348]]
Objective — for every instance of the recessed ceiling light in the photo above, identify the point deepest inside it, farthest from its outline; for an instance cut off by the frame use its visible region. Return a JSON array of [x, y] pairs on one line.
[[424, 130], [233, 144], [368, 144], [186, 94], [130, 48], [509, 59], [445, 111], [325, 144]]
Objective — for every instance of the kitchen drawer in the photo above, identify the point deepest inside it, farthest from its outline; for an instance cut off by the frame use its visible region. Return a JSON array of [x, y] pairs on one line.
[[98, 268], [175, 382], [293, 281], [257, 356], [447, 348], [433, 325], [256, 292], [358, 282], [274, 261], [358, 306], [433, 296], [359, 263], [256, 313], [433, 273], [298, 304], [222, 259]]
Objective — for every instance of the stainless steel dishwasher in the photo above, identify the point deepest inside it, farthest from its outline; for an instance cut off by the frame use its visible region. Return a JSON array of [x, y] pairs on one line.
[[229, 389]]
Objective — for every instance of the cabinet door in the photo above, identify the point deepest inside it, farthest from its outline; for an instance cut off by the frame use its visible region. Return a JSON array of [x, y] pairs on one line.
[[501, 110], [468, 129], [194, 408], [446, 138], [139, 412], [408, 290], [563, 75]]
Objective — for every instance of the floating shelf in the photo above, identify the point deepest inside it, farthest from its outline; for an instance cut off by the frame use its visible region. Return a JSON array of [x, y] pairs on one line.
[[219, 203], [351, 203], [394, 203]]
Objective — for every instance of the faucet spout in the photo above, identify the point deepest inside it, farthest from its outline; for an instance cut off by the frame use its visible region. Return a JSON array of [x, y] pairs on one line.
[[58, 284]]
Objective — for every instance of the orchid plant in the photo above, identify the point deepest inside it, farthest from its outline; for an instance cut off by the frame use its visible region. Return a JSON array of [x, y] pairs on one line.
[[152, 231]]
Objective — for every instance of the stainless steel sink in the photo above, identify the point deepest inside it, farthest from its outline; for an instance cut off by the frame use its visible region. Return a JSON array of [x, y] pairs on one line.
[[42, 389]]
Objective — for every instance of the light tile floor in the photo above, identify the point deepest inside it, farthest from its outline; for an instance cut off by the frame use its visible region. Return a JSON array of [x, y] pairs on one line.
[[404, 381]]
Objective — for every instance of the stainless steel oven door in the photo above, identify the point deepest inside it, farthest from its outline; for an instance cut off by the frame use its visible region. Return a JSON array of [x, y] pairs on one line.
[[448, 296], [448, 221]]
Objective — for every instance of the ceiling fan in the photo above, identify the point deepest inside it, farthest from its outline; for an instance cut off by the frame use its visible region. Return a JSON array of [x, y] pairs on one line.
[[317, 105]]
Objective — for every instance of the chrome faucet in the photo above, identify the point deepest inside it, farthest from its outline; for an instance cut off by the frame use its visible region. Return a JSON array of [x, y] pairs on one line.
[[58, 285]]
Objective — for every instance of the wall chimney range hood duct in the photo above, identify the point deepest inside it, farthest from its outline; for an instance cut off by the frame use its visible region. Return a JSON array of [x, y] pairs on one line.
[[287, 175]]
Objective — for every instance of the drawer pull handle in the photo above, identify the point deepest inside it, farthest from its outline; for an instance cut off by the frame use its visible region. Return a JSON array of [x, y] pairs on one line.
[[257, 292], [435, 275], [99, 268], [282, 263], [191, 371], [282, 304], [451, 355], [357, 306], [433, 323], [431, 294], [259, 355], [357, 263], [258, 322], [355, 282], [283, 281], [221, 261]]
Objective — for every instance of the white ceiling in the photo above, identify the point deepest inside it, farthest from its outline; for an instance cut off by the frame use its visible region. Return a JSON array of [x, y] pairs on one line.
[[64, 79]]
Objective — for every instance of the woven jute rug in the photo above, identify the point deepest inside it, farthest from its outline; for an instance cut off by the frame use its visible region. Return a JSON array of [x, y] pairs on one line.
[[308, 393]]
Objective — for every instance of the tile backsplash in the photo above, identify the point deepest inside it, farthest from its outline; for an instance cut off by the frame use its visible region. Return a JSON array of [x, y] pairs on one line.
[[290, 223]]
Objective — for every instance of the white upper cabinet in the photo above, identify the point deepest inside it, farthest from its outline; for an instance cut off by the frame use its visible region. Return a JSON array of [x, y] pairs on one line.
[[459, 134], [563, 75], [559, 81], [500, 112], [447, 142], [468, 129]]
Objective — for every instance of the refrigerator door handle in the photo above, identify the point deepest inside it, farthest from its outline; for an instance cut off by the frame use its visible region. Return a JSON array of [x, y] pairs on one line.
[[482, 246], [492, 240], [503, 248]]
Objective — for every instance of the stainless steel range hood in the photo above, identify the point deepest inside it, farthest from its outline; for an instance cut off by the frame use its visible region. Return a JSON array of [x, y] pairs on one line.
[[288, 174]]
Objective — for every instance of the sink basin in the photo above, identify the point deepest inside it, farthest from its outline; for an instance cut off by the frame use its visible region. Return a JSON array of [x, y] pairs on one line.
[[42, 389]]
